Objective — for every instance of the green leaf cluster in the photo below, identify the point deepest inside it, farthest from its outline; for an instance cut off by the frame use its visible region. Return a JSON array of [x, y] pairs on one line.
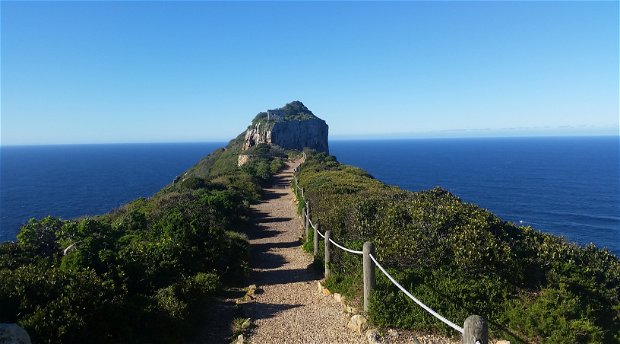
[[293, 111]]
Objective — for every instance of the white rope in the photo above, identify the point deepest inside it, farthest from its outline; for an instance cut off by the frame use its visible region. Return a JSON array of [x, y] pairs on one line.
[[344, 248], [428, 309], [321, 235]]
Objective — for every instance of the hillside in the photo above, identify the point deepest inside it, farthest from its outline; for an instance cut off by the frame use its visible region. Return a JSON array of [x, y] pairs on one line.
[[462, 260], [144, 272]]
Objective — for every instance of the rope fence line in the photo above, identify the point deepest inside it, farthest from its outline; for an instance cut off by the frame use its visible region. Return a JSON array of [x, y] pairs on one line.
[[310, 222], [475, 328], [331, 240], [344, 248], [427, 308]]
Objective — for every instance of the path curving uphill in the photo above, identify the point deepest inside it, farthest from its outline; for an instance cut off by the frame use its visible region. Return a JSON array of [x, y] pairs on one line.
[[288, 307]]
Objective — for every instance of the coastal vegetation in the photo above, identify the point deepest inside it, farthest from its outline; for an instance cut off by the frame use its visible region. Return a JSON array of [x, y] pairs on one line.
[[461, 259], [143, 272], [293, 111]]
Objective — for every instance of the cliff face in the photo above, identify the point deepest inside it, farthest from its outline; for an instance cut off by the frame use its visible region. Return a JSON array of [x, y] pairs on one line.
[[291, 127]]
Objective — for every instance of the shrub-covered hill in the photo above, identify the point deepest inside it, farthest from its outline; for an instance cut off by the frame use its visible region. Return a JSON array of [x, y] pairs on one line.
[[141, 273], [460, 260], [293, 111]]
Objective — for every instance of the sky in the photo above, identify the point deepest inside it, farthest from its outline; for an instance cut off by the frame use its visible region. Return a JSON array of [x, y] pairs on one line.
[[122, 72]]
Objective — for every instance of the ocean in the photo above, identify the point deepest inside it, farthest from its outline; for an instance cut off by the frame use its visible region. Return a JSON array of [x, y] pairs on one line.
[[70, 181], [566, 186]]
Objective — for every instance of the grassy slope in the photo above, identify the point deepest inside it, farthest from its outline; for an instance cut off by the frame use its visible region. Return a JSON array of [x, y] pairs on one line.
[[141, 272], [461, 260]]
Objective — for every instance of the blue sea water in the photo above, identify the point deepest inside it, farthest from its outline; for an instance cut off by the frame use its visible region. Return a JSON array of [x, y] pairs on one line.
[[70, 181], [566, 186]]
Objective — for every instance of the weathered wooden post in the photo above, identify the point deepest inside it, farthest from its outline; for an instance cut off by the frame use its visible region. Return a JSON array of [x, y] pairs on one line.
[[302, 194], [307, 220], [369, 272], [303, 220], [327, 252], [475, 330], [316, 239]]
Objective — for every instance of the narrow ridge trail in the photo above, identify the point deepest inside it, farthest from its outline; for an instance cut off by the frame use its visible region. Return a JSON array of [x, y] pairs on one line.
[[288, 307]]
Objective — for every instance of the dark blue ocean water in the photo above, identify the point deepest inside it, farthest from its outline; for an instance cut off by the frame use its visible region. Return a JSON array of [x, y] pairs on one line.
[[74, 180], [565, 186]]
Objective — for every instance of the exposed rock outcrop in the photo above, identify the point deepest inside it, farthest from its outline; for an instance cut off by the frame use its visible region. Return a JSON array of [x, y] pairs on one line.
[[291, 127], [255, 135], [13, 334], [310, 133]]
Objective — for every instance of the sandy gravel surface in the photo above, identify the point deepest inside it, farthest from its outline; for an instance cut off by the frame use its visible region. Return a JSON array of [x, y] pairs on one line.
[[288, 307]]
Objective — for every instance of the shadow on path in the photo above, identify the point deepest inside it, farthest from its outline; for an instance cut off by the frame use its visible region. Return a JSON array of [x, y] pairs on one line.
[[216, 318], [273, 277], [270, 195], [269, 260], [268, 310]]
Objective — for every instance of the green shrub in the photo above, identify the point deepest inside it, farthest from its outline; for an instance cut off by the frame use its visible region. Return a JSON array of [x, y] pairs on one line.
[[140, 273], [55, 306], [461, 260], [555, 316], [200, 287], [39, 237]]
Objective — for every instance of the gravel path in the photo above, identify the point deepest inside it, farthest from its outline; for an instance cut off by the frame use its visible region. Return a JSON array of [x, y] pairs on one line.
[[288, 307]]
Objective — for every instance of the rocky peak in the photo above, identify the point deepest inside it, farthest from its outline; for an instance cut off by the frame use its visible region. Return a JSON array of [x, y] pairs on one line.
[[292, 126]]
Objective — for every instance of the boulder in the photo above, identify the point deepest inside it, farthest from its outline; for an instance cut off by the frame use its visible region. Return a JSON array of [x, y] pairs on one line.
[[373, 336], [13, 334], [358, 323], [326, 292], [239, 340]]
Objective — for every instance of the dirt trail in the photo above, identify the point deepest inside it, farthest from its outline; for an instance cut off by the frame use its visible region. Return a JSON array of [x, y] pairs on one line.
[[288, 307]]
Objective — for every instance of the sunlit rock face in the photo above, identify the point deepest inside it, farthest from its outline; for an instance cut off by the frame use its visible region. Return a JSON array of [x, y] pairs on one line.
[[291, 127]]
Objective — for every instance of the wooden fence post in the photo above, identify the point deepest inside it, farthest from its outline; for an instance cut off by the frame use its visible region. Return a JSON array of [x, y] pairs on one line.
[[327, 252], [307, 220], [475, 330], [369, 272], [303, 220], [316, 239]]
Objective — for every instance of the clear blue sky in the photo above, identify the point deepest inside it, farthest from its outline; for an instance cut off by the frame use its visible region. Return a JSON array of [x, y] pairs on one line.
[[98, 72]]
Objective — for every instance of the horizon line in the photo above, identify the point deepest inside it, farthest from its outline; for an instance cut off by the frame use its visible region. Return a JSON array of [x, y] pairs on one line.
[[369, 137]]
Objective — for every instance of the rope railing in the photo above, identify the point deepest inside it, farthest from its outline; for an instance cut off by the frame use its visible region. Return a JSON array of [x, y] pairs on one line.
[[310, 222], [474, 331], [332, 241], [344, 248], [427, 308]]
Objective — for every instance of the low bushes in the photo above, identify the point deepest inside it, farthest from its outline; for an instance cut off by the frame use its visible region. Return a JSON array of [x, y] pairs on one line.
[[462, 260], [141, 273]]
